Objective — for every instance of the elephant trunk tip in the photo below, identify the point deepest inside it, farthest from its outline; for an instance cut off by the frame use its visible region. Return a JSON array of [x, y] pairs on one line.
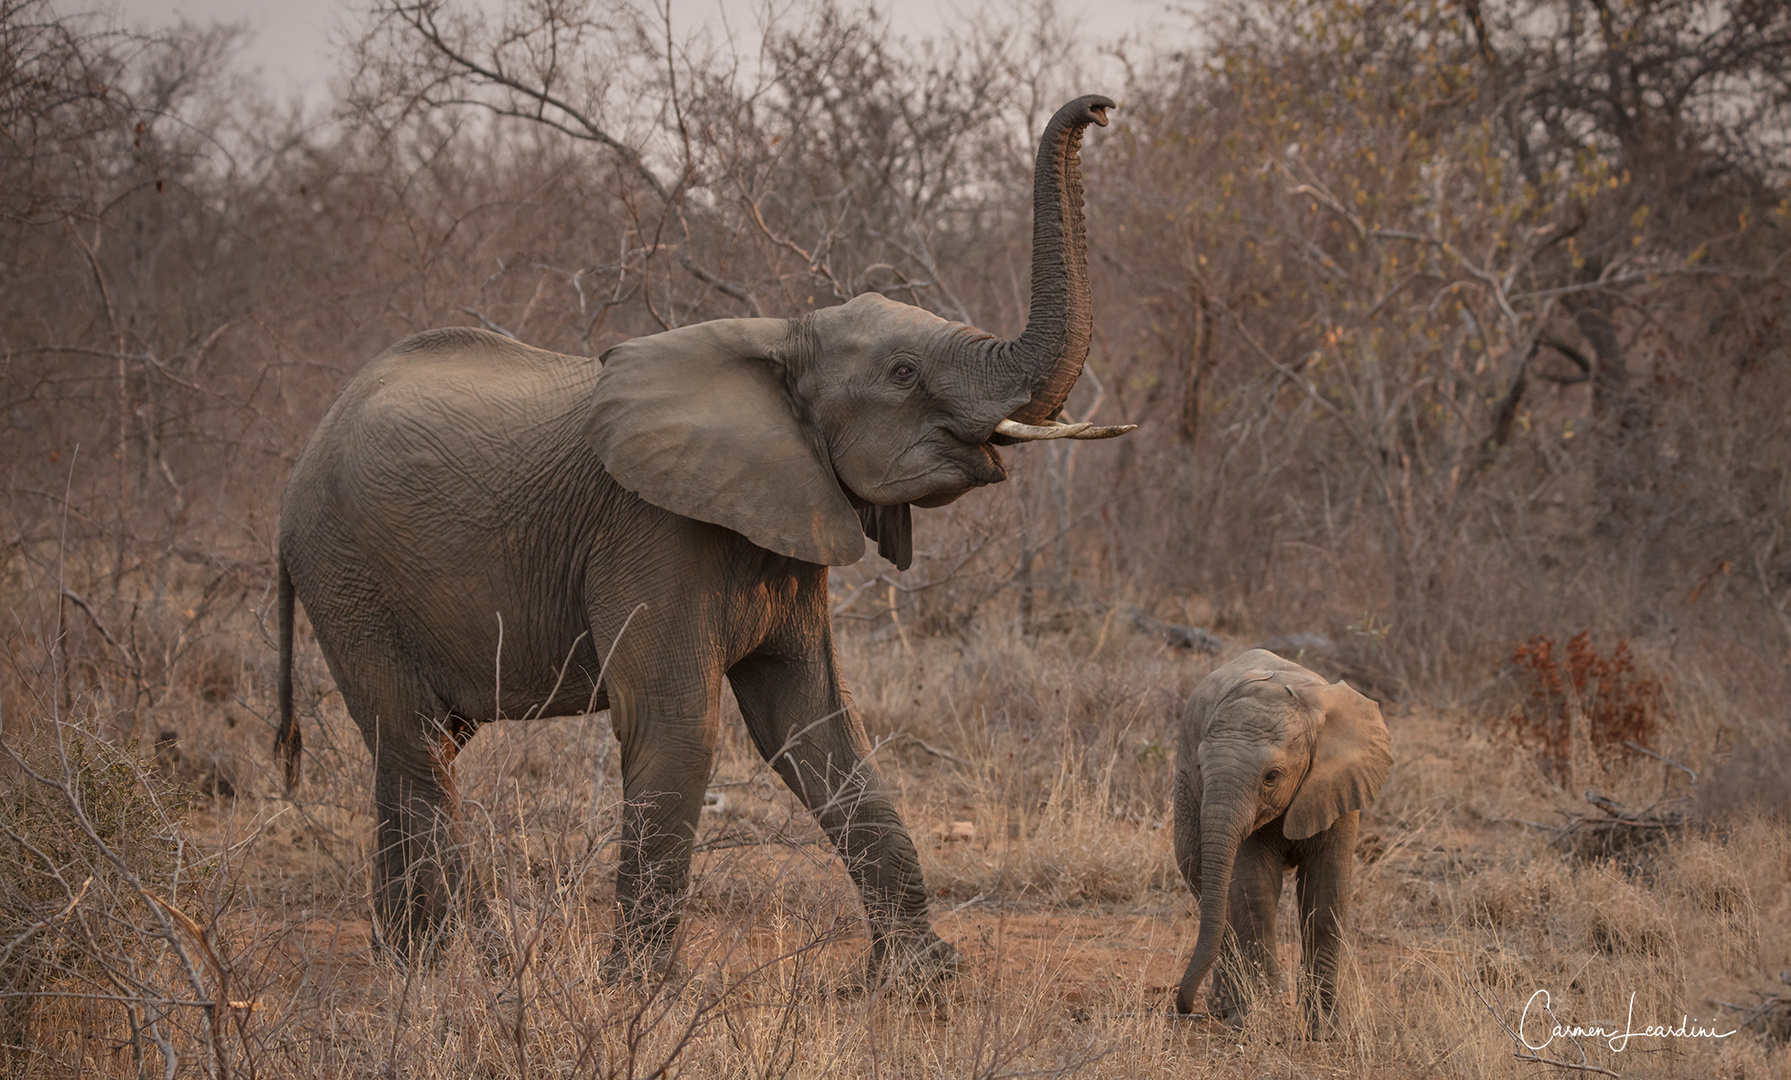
[[1184, 1001]]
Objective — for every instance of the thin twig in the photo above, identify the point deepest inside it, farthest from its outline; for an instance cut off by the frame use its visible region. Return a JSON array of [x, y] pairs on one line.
[[489, 325], [1661, 758], [1531, 824], [43, 924]]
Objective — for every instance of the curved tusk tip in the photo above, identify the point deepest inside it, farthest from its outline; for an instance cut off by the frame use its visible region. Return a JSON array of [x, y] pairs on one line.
[[1104, 432]]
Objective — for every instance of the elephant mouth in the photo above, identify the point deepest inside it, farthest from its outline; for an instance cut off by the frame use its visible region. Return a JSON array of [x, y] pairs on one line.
[[939, 469], [944, 474], [978, 465]]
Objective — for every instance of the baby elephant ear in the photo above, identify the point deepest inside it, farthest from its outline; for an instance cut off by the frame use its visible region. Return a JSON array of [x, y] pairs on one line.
[[1353, 755], [697, 420]]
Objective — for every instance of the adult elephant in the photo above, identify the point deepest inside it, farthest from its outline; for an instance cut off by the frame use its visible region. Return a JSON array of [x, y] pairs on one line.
[[1273, 768], [480, 529]]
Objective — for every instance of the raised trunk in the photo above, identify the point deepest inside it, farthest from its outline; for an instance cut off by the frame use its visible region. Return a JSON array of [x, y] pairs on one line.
[[1046, 359], [1224, 822]]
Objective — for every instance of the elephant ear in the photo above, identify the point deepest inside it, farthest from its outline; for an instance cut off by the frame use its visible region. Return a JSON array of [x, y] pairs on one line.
[[1351, 760], [697, 420]]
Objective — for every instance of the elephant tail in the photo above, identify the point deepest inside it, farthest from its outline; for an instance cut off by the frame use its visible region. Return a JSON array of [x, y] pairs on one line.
[[288, 741]]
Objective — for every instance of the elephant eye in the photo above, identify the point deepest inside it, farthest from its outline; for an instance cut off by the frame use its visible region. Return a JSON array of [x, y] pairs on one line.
[[1272, 776], [903, 371]]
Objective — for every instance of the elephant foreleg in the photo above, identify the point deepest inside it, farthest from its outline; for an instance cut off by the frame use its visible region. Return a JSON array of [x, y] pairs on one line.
[[1323, 887], [1251, 967], [804, 724], [666, 757]]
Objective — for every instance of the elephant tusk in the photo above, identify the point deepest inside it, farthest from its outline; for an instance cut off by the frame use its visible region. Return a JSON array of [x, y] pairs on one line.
[[1050, 430], [1108, 432]]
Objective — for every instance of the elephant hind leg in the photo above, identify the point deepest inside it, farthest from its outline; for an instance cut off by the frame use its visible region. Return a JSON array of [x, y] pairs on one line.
[[421, 880]]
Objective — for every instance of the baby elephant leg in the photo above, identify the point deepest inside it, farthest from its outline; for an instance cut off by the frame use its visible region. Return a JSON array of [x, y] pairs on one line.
[[1249, 968], [1325, 869]]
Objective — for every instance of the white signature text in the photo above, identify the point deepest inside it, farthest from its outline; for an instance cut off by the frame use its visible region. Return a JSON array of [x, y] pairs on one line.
[[1618, 1041]]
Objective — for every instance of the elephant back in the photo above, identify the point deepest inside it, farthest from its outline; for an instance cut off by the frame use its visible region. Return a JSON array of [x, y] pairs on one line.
[[453, 404]]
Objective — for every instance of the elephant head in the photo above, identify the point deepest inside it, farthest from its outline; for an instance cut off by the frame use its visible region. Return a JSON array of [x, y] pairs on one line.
[[807, 434], [1262, 738]]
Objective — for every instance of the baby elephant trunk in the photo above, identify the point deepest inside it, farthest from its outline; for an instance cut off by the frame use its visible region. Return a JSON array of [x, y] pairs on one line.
[[1224, 824]]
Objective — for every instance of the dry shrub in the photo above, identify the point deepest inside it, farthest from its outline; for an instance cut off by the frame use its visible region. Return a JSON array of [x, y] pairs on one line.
[[1061, 760], [1074, 846], [93, 843], [1621, 917], [1517, 903], [1603, 699], [1501, 967], [1717, 892]]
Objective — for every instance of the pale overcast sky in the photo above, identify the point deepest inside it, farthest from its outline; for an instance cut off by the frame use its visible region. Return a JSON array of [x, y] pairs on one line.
[[295, 42]]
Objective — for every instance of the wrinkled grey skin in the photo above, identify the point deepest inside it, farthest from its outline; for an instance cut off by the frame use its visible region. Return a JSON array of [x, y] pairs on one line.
[[1273, 769], [474, 523]]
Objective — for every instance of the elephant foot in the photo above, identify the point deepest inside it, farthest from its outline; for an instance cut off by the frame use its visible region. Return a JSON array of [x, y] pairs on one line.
[[1317, 1001], [1320, 1024], [1231, 1007], [915, 966], [1235, 994], [417, 914], [651, 971], [404, 942], [924, 959]]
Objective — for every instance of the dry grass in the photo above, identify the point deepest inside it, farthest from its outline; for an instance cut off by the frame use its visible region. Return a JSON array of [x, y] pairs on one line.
[[1035, 779]]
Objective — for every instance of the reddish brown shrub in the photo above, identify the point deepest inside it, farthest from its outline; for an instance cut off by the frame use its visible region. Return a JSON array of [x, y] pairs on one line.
[[1621, 707]]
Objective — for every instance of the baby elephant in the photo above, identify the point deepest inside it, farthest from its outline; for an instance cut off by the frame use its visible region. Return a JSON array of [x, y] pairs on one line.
[[1272, 772]]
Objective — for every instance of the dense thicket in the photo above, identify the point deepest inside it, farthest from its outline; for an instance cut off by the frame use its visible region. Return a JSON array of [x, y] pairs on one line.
[[1447, 323]]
